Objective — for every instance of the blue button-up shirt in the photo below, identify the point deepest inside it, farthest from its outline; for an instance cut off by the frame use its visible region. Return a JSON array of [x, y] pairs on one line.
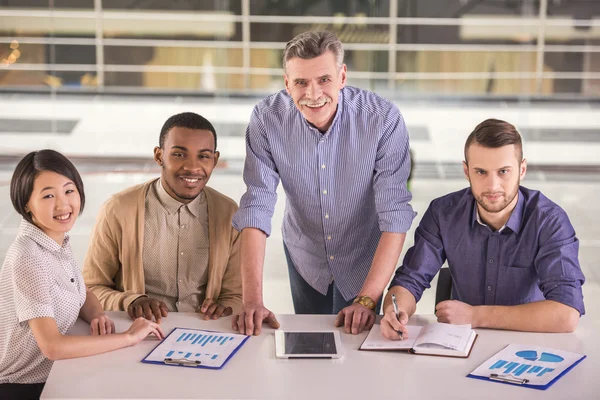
[[534, 256], [343, 187]]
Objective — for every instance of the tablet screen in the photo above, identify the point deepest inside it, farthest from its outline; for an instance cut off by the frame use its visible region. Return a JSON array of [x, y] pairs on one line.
[[309, 343]]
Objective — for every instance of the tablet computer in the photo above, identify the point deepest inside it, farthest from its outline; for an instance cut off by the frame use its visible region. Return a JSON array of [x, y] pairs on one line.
[[308, 344]]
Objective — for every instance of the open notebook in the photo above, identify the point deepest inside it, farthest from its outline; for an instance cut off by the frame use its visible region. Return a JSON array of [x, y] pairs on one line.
[[433, 339]]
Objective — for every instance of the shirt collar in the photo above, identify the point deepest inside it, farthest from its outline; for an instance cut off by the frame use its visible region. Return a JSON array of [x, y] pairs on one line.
[[514, 221], [516, 218], [40, 237], [172, 205]]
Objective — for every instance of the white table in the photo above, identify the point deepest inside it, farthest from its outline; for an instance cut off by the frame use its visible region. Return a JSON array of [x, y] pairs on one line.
[[255, 373]]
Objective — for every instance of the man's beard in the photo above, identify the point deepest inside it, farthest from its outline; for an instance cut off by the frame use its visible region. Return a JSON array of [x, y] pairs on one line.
[[498, 206]]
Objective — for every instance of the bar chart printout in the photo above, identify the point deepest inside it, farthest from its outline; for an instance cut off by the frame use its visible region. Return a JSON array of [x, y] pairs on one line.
[[212, 349], [526, 364]]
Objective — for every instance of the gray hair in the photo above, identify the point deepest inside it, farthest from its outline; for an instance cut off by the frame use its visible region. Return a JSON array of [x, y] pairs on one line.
[[312, 44]]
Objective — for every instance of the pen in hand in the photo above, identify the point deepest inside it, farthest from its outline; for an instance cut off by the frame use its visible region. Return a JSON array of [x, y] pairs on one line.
[[397, 314]]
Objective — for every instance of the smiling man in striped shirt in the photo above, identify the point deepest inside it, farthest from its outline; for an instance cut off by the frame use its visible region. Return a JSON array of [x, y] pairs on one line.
[[342, 156]]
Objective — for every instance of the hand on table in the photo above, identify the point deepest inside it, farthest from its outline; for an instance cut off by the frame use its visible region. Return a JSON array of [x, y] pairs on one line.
[[213, 310], [102, 325], [148, 308], [141, 328], [355, 318], [455, 312], [249, 321]]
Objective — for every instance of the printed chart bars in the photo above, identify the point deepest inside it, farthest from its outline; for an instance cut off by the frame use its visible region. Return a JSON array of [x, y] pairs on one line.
[[518, 369], [203, 340], [198, 348], [183, 354]]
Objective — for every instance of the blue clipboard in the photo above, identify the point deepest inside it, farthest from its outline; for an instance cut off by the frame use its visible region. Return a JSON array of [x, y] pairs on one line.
[[200, 337], [518, 381]]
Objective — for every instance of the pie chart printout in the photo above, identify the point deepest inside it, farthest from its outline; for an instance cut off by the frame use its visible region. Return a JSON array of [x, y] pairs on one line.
[[532, 355]]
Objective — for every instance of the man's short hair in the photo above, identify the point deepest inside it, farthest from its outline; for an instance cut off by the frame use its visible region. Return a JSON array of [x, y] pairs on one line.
[[312, 44], [187, 120], [495, 133], [21, 183]]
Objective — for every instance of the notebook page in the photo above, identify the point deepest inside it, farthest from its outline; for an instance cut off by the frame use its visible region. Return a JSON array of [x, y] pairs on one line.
[[376, 341], [455, 337]]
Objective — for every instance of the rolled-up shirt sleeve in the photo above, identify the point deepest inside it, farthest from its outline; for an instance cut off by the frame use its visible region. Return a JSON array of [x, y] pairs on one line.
[[261, 177], [424, 260], [557, 262], [392, 168]]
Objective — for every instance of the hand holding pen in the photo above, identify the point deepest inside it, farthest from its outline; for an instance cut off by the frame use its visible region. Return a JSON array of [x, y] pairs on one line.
[[393, 322], [397, 315]]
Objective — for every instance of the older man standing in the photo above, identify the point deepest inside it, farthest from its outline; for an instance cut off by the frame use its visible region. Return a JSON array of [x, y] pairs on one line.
[[342, 156]]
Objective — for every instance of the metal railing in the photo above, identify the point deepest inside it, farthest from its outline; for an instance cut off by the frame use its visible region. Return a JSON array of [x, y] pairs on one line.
[[541, 25]]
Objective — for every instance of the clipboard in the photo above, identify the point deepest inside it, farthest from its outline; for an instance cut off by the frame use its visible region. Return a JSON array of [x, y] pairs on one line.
[[535, 366], [196, 348]]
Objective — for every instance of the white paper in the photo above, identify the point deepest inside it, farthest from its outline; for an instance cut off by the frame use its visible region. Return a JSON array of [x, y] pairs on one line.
[[212, 349], [454, 337], [539, 365], [376, 341]]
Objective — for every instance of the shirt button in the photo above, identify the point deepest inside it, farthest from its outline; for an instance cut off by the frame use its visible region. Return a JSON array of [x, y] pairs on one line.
[[326, 215], [324, 191], [491, 260], [489, 288], [323, 166], [181, 281], [182, 226], [329, 237], [331, 257], [181, 253], [178, 303]]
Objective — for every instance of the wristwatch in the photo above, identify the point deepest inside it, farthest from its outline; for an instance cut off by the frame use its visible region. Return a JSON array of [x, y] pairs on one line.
[[365, 301]]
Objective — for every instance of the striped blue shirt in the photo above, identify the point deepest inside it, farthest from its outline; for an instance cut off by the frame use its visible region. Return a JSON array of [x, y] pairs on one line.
[[344, 187]]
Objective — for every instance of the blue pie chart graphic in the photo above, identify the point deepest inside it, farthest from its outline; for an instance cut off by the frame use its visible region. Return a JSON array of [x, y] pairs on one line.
[[532, 355]]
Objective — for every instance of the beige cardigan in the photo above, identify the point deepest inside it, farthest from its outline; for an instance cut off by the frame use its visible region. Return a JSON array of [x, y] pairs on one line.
[[113, 264]]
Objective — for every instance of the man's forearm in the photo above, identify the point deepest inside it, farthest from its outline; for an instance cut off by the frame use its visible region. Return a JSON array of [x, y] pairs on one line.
[[540, 316], [404, 299], [252, 254], [384, 262]]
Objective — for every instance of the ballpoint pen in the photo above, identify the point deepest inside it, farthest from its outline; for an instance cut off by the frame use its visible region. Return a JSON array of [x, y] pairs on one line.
[[397, 314]]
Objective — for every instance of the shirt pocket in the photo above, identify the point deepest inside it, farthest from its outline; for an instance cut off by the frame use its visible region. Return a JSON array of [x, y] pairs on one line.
[[518, 284]]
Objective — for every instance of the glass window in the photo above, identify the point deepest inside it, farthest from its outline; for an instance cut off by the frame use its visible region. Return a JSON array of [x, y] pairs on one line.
[[466, 61], [349, 8], [40, 80], [171, 30], [231, 6], [175, 81], [468, 33], [347, 33], [266, 58], [162, 55], [75, 4], [470, 87], [462, 8]]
